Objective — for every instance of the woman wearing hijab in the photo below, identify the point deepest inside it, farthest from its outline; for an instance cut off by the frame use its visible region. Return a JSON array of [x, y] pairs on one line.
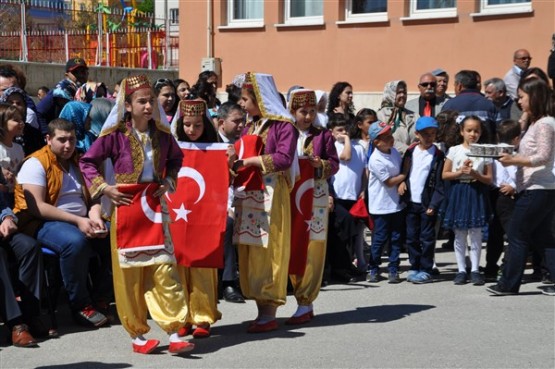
[[394, 113]]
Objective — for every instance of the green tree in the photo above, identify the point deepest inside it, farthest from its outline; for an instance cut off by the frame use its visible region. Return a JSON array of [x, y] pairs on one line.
[[146, 6]]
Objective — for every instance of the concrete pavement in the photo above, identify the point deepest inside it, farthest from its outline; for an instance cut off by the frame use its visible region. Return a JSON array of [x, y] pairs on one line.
[[437, 325]]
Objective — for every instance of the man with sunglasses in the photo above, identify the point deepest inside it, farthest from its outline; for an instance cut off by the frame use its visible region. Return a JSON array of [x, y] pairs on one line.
[[427, 104], [521, 60]]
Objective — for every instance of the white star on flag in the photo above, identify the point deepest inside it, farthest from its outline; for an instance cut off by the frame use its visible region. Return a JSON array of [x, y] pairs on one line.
[[181, 213]]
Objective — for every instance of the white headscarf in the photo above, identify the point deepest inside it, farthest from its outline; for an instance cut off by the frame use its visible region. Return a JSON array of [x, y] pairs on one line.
[[118, 111], [267, 97]]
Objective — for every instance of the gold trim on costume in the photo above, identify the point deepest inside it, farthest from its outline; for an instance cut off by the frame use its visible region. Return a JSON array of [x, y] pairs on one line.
[[326, 170], [267, 164]]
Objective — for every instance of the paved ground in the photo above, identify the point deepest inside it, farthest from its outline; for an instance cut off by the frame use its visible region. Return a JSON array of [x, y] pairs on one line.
[[437, 325]]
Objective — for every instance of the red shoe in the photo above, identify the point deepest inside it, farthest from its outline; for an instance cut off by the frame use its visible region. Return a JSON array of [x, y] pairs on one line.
[[202, 331], [185, 330], [179, 347], [261, 328], [147, 348], [301, 319]]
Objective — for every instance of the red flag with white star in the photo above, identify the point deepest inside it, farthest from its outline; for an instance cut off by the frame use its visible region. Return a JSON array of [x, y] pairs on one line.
[[198, 208], [301, 214]]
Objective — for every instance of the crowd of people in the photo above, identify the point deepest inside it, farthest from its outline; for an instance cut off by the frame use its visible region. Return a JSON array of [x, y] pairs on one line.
[[73, 161]]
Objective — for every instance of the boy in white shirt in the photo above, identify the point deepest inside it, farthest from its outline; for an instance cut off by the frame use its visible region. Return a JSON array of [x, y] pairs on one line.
[[384, 206], [424, 193]]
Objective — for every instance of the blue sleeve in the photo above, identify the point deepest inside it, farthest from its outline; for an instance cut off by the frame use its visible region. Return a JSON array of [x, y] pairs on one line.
[[45, 106]]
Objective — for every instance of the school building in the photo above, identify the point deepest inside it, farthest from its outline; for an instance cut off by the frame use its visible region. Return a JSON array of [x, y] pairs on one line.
[[315, 43]]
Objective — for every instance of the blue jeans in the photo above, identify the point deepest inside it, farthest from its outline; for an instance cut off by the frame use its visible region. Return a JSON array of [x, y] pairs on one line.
[[74, 251], [387, 227], [531, 225], [421, 238]]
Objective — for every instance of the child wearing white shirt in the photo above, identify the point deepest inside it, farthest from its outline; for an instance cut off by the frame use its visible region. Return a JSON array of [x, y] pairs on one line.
[[385, 175]]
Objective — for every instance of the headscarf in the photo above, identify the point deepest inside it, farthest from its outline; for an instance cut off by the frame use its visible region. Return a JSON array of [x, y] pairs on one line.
[[87, 92], [127, 87], [267, 97], [78, 112], [390, 92], [65, 89], [100, 109], [15, 90]]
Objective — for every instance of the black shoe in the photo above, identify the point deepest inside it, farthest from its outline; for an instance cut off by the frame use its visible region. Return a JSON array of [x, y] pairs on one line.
[[477, 279], [460, 278], [499, 291], [548, 290], [393, 278], [232, 294]]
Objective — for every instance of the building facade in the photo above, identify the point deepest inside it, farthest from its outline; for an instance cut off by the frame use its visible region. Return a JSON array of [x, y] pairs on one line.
[[316, 43]]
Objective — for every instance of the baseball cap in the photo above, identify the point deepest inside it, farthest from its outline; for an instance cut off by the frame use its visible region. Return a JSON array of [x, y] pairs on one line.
[[438, 71], [378, 128], [75, 63], [426, 122]]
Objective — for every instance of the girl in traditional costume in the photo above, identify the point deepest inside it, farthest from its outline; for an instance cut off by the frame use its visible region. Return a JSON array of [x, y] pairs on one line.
[[142, 150], [262, 211], [191, 124], [316, 151]]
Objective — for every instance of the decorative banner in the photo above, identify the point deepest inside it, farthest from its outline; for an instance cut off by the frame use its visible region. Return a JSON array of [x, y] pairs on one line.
[[302, 198], [249, 177], [144, 214], [198, 209]]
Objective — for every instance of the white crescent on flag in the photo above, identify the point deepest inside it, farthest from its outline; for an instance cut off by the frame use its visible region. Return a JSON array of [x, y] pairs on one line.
[[305, 186], [153, 216]]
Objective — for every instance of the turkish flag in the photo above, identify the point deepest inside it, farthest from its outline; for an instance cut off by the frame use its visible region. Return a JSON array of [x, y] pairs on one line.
[[249, 177], [302, 198], [144, 214], [198, 208]]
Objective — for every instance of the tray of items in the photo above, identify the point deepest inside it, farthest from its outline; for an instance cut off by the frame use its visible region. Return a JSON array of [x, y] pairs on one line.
[[490, 151]]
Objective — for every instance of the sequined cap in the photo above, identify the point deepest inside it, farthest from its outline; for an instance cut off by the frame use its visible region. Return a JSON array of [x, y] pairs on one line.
[[300, 98], [135, 83], [192, 108]]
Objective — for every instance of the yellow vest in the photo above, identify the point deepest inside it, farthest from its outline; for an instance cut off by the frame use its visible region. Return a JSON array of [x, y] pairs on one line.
[[27, 222]]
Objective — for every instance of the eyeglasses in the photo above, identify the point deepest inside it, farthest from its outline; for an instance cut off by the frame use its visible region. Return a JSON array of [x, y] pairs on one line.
[[428, 84], [525, 58]]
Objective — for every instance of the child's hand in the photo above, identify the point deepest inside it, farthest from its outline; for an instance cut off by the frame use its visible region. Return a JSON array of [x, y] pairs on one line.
[[467, 167], [507, 190], [231, 155], [402, 188], [341, 137], [330, 203], [315, 161], [8, 175]]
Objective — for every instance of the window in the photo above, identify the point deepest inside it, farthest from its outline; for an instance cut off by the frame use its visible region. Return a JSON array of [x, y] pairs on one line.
[[359, 11], [304, 12], [245, 13], [422, 9], [488, 7], [174, 16]]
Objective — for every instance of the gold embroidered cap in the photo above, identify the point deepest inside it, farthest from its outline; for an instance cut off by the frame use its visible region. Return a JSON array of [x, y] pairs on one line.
[[192, 108], [300, 98], [135, 83]]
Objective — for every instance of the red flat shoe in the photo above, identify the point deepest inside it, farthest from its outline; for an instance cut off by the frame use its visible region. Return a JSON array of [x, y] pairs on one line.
[[202, 332], [185, 330], [180, 347], [301, 319], [272, 325], [147, 348]]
